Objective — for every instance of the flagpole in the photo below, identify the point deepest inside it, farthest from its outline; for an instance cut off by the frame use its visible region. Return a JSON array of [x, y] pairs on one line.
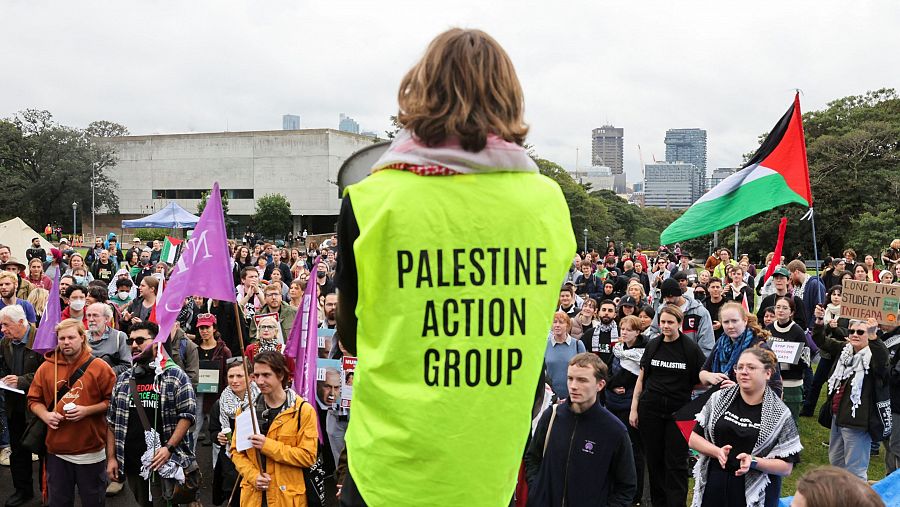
[[812, 221], [737, 228], [240, 332]]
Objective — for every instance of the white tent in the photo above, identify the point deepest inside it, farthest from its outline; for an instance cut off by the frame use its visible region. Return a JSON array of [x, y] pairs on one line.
[[16, 234]]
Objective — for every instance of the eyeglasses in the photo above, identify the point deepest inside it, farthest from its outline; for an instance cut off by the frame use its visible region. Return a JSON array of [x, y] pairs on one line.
[[738, 368], [860, 332], [268, 327], [131, 341]]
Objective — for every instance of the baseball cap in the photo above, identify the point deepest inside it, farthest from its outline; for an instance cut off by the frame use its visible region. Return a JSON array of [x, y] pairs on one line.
[[206, 319], [63, 240], [781, 271], [670, 288], [136, 240], [627, 301]]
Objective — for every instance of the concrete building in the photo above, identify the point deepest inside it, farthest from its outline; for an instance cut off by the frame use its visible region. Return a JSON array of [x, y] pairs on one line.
[[719, 174], [607, 148], [348, 124], [671, 185], [290, 122], [599, 177], [302, 165]]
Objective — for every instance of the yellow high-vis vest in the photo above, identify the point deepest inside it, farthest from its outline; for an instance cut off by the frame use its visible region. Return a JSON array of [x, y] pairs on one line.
[[459, 277]]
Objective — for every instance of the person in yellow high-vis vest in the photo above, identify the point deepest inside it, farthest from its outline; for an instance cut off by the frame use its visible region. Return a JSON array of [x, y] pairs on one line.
[[451, 254]]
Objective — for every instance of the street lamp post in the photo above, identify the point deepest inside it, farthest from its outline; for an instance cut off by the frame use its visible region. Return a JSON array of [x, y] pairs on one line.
[[74, 226], [93, 207], [585, 240]]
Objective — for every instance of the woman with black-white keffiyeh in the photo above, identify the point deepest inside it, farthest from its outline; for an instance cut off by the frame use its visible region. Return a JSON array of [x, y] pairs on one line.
[[860, 372], [745, 435]]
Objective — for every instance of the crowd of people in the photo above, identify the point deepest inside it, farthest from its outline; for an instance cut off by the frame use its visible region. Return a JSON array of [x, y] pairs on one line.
[[106, 361], [628, 349], [678, 340], [652, 361]]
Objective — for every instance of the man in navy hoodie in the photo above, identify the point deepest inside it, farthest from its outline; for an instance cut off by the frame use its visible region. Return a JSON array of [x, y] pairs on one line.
[[580, 453]]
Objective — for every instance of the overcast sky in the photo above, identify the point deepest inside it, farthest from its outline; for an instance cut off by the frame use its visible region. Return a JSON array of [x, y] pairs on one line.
[[646, 66]]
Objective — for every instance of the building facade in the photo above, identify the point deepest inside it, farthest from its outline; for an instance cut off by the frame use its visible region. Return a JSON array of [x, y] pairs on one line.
[[290, 122], [607, 148], [672, 185], [302, 165], [348, 124], [688, 146], [598, 177], [719, 174]]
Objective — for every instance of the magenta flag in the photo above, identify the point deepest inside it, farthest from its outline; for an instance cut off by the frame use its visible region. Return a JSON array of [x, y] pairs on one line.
[[45, 339], [303, 342], [204, 268]]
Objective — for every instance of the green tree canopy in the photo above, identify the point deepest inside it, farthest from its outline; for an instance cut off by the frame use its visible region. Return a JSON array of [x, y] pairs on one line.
[[273, 215], [46, 166]]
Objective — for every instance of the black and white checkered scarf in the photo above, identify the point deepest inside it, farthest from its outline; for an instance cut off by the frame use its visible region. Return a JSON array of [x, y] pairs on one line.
[[778, 438]]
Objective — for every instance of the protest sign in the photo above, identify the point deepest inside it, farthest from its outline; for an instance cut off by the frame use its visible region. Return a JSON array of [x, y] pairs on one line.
[[861, 300], [786, 352], [349, 371]]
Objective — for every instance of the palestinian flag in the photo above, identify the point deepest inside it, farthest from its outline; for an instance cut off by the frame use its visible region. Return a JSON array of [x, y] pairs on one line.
[[169, 249], [777, 174]]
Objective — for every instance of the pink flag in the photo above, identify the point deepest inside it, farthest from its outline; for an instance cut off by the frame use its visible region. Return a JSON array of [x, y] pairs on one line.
[[204, 268], [45, 339], [303, 342]]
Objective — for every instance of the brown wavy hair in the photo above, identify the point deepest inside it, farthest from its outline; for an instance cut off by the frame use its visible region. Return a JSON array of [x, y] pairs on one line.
[[464, 87]]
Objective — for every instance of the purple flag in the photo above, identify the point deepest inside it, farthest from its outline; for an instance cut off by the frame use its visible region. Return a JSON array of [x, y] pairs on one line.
[[303, 342], [45, 339], [204, 268]]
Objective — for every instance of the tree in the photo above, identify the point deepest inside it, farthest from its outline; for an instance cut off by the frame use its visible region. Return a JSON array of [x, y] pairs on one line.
[[46, 166], [201, 205], [396, 127], [273, 215]]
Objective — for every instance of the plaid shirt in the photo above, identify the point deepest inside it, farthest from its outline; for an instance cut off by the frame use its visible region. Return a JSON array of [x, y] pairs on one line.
[[177, 401]]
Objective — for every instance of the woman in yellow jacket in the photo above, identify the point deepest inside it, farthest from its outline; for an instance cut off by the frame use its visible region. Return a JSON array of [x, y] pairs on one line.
[[272, 470]]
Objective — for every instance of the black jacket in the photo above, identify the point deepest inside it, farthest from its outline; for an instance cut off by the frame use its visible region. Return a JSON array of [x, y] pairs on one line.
[[16, 403], [878, 367], [588, 460]]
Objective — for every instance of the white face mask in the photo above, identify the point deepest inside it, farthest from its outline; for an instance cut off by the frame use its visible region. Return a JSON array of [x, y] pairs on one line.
[[123, 294], [77, 304]]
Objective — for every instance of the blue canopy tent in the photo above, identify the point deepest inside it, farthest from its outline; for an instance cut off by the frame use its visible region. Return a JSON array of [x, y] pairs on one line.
[[172, 216]]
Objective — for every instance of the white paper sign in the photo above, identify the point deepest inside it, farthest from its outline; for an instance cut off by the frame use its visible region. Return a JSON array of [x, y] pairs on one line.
[[243, 429], [786, 352], [8, 388]]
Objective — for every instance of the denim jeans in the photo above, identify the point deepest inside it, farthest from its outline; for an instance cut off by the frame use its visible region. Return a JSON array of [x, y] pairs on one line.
[[849, 448]]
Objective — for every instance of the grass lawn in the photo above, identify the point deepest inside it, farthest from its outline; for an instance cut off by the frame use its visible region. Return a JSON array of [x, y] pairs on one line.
[[814, 455]]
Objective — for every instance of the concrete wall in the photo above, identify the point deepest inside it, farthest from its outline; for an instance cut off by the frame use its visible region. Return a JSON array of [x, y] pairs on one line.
[[300, 164]]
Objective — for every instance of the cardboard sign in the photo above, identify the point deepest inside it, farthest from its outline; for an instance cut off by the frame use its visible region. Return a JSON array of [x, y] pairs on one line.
[[349, 371], [786, 352], [861, 300], [209, 377], [328, 381]]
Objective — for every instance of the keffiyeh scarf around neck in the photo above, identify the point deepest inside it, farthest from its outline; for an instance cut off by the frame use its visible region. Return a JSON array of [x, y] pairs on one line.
[[847, 365], [778, 438], [630, 359], [406, 153], [229, 403]]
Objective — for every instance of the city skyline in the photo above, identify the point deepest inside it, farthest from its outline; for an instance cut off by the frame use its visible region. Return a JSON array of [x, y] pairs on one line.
[[137, 65]]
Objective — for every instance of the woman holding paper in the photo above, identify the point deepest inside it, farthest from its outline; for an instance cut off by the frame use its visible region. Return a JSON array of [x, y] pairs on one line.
[[784, 329], [286, 441], [239, 394]]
